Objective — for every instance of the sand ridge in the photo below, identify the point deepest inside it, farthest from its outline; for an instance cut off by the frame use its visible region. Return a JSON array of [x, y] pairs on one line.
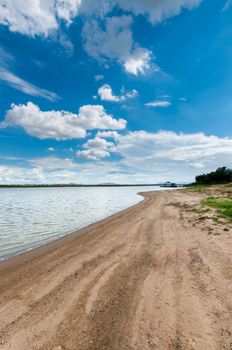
[[146, 278]]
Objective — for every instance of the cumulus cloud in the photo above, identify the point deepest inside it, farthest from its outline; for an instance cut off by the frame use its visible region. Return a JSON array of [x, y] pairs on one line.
[[156, 104], [114, 41], [44, 17], [105, 93], [60, 125], [159, 10], [156, 11], [141, 157], [37, 17], [138, 61], [51, 149], [95, 149], [111, 40], [172, 146], [167, 155], [94, 117], [108, 134], [145, 152], [148, 152]]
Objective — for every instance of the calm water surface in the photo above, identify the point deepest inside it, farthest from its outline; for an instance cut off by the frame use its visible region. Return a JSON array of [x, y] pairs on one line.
[[30, 217]]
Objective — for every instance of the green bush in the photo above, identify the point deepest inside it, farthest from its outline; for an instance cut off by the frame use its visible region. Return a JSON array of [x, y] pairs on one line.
[[220, 176]]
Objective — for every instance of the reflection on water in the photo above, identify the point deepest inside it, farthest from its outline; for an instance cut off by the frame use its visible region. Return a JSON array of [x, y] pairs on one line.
[[32, 216]]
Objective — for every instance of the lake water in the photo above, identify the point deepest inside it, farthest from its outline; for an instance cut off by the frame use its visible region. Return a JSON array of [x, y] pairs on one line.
[[30, 217]]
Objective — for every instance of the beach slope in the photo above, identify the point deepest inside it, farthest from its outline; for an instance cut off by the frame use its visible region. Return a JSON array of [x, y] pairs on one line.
[[150, 277]]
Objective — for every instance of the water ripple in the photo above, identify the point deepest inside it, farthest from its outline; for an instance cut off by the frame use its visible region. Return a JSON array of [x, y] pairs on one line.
[[31, 216]]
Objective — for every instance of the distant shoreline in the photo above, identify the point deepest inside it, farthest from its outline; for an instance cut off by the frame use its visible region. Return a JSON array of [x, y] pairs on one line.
[[75, 185], [87, 185]]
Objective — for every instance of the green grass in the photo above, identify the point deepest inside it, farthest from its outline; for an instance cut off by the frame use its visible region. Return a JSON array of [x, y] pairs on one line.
[[200, 210], [195, 188], [224, 205]]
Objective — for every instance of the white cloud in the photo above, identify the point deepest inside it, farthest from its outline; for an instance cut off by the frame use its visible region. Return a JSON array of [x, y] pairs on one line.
[[156, 10], [22, 85], [159, 10], [108, 134], [94, 117], [198, 165], [105, 93], [60, 125], [114, 41], [156, 104], [51, 149], [98, 77], [37, 17], [138, 61], [162, 156], [95, 149], [169, 146], [111, 41], [14, 175], [141, 157], [129, 94], [34, 174], [53, 163]]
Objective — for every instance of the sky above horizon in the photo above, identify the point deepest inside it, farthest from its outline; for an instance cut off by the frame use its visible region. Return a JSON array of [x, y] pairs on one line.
[[114, 91]]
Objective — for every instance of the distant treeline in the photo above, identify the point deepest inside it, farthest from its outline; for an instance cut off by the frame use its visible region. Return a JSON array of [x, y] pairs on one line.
[[222, 175]]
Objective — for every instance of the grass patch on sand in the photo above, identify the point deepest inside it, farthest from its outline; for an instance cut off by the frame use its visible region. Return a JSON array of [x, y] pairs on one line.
[[200, 210], [223, 204], [196, 188]]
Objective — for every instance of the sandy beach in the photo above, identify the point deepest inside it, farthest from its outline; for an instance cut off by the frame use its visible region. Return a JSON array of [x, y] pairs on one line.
[[150, 277]]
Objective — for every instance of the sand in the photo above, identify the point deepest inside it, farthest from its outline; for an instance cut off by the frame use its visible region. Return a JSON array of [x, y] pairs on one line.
[[150, 277]]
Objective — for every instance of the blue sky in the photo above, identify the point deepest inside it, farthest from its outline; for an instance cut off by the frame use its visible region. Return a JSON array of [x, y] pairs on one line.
[[114, 90]]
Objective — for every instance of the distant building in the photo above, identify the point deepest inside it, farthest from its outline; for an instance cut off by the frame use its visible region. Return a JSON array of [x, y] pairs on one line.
[[169, 184]]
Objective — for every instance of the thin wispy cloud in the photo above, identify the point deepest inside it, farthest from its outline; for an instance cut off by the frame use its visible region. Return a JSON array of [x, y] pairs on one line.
[[98, 77], [7, 61], [227, 5], [24, 86], [156, 104]]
